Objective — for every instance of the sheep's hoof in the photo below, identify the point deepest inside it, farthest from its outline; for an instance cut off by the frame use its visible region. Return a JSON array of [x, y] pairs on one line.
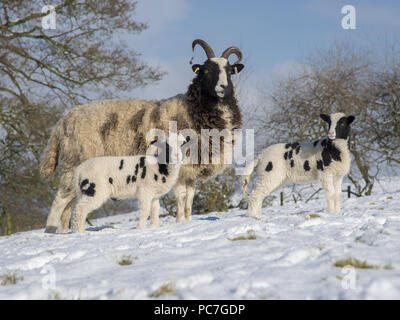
[[50, 229], [62, 230]]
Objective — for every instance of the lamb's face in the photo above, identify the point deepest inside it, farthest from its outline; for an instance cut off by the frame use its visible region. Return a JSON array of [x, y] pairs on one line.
[[339, 125], [215, 76], [174, 145]]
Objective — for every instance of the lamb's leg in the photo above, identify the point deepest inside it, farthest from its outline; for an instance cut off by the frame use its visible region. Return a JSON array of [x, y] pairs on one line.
[[180, 195], [263, 188], [327, 184], [61, 201], [337, 181], [155, 212], [190, 190], [83, 206], [256, 198], [145, 203]]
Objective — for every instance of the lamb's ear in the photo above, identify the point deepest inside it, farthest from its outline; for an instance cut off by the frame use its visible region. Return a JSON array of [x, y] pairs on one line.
[[350, 119], [196, 68], [325, 117], [185, 141], [237, 67]]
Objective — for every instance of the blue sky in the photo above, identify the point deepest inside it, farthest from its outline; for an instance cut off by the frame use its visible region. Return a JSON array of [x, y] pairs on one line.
[[273, 35]]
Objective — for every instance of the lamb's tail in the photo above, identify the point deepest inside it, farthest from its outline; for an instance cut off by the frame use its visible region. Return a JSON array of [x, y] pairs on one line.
[[246, 177], [49, 159]]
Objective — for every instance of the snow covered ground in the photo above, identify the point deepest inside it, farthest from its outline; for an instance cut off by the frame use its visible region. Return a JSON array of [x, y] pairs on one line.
[[292, 256]]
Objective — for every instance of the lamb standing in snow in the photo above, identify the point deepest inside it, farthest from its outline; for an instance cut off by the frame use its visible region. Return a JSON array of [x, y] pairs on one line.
[[143, 177], [326, 160]]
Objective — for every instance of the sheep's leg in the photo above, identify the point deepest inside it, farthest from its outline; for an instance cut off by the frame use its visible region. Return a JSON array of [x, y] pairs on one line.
[[83, 206], [328, 185], [145, 204], [155, 212], [337, 181], [180, 195], [66, 217], [59, 204], [190, 190]]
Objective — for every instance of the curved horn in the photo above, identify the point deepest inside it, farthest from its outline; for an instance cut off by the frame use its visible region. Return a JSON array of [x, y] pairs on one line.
[[232, 50], [209, 52]]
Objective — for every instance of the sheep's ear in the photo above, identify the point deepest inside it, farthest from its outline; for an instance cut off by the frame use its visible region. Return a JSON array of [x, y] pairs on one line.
[[237, 67], [196, 68], [350, 119], [325, 117]]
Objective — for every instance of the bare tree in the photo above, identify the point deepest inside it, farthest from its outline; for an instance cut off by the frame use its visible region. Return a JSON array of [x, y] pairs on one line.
[[45, 71]]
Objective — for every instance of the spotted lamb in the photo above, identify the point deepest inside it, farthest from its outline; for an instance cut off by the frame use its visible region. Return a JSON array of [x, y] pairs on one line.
[[144, 177], [326, 160]]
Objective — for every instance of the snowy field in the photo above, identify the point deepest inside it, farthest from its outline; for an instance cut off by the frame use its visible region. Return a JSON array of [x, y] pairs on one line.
[[289, 253]]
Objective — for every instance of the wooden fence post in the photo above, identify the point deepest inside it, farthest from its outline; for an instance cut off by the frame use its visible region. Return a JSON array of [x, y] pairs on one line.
[[8, 225]]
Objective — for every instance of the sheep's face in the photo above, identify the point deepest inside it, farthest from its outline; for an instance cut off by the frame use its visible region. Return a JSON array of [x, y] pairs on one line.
[[215, 76], [339, 125]]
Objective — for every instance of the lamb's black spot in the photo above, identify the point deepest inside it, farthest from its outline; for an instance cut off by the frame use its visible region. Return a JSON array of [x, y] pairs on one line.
[[163, 169], [290, 154], [307, 165], [110, 180], [329, 153], [121, 165], [298, 149], [295, 145], [287, 145], [90, 191], [326, 157], [133, 179], [164, 180], [269, 166], [143, 173], [128, 179], [335, 152], [315, 143], [155, 177], [292, 163], [84, 182], [320, 165], [136, 169], [324, 143], [142, 162], [286, 155]]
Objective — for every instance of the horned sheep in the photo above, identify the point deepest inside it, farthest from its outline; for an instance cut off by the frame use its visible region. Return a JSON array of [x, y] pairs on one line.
[[144, 177], [326, 160], [119, 128]]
